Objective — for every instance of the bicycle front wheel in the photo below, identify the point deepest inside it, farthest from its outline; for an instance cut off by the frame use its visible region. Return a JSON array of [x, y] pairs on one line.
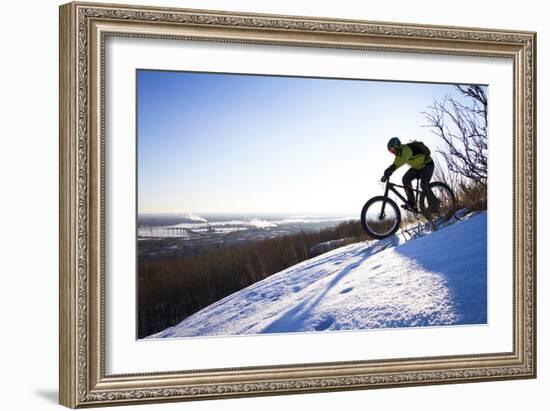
[[380, 217]]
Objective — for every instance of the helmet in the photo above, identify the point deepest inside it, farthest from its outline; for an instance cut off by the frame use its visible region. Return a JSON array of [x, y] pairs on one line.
[[393, 144]]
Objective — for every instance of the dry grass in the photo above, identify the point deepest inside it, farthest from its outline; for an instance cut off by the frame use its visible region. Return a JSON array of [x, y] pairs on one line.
[[469, 194], [472, 196]]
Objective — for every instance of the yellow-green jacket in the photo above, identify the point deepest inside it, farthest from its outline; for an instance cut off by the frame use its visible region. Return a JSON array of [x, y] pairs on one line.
[[408, 156]]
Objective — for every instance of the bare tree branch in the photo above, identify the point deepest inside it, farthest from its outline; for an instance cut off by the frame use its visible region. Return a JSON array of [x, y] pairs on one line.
[[462, 128]]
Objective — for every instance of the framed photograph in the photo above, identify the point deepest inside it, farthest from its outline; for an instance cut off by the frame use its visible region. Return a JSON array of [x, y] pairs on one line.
[[261, 204]]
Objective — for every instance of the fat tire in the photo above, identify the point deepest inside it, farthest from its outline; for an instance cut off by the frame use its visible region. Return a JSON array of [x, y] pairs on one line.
[[389, 202], [439, 184]]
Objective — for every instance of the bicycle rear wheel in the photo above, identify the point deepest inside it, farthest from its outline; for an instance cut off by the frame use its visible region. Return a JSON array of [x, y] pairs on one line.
[[446, 202], [380, 217]]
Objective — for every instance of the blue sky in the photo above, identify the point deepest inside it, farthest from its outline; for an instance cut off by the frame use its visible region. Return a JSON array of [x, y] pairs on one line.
[[263, 144]]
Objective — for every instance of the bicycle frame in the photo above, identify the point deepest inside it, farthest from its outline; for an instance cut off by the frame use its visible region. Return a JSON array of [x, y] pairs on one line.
[[373, 214], [391, 187]]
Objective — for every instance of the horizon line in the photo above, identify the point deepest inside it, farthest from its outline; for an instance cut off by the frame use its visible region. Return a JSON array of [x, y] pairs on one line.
[[198, 213]]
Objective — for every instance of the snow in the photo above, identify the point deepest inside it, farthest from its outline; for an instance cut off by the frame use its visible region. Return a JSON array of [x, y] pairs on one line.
[[195, 217], [198, 224], [435, 280], [313, 219], [256, 222]]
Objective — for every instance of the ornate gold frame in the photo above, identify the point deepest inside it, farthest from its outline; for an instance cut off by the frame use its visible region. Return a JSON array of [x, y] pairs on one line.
[[83, 30]]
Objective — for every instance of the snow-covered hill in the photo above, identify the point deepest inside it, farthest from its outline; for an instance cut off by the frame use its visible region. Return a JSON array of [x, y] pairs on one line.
[[437, 279]]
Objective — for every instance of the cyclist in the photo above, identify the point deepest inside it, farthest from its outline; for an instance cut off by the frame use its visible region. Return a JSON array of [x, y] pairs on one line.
[[417, 156]]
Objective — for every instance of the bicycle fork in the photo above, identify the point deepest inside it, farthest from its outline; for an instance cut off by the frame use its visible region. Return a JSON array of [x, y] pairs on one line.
[[386, 193]]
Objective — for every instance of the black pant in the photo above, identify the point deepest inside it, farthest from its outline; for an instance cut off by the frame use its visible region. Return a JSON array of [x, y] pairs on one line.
[[425, 175]]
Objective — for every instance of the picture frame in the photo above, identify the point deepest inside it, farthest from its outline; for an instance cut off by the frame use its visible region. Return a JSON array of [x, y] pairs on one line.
[[85, 28]]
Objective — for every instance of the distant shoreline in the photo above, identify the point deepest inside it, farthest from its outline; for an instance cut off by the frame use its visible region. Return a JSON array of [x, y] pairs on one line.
[[180, 236]]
